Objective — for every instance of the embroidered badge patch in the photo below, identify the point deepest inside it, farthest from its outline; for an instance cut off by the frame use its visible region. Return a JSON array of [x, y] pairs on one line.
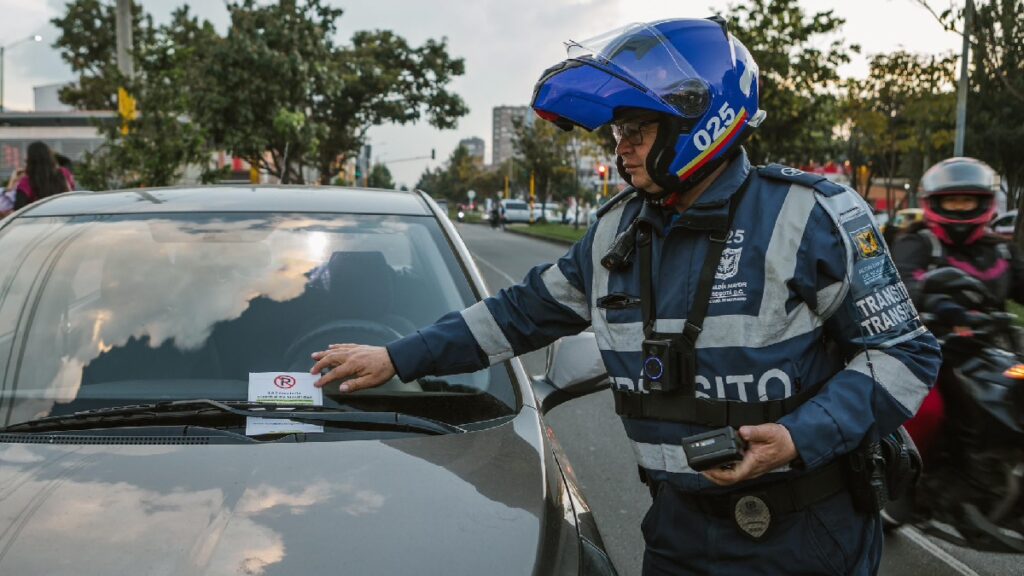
[[867, 242]]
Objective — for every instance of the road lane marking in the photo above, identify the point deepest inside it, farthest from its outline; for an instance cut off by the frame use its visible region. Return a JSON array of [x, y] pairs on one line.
[[921, 540], [510, 279]]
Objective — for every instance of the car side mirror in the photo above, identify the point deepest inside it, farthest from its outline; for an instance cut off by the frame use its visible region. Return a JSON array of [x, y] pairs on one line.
[[574, 369]]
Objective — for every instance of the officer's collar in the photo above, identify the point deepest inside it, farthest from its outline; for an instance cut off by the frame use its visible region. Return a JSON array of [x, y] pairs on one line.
[[711, 209]]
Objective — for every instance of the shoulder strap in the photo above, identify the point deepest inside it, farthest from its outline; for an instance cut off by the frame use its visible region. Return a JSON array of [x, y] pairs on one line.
[[797, 176], [701, 299]]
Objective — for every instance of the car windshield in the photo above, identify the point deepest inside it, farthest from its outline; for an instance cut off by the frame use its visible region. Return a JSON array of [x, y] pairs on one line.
[[99, 311]]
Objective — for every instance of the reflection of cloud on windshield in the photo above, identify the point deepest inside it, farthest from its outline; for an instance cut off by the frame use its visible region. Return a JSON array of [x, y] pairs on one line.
[[170, 281], [148, 278]]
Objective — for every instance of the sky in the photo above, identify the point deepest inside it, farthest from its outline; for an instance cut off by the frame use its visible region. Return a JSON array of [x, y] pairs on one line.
[[506, 44]]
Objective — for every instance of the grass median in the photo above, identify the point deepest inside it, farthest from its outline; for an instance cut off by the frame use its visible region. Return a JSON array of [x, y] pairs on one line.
[[563, 233]]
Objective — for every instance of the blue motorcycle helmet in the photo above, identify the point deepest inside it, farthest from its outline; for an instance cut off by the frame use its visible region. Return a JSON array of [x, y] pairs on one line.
[[699, 79]]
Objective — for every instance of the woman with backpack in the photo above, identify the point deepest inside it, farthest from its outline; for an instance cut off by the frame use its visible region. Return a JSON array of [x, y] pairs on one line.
[[43, 176]]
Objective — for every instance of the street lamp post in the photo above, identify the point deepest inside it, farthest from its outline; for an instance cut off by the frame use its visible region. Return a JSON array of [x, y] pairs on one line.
[[34, 38]]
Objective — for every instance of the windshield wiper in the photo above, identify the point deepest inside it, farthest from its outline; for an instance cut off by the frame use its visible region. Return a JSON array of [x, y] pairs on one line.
[[131, 415]]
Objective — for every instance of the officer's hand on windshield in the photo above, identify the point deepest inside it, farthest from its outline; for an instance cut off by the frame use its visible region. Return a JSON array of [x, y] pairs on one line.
[[367, 366], [768, 447]]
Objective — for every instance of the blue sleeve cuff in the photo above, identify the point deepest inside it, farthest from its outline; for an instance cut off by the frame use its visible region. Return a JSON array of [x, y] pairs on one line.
[[816, 434], [411, 357]]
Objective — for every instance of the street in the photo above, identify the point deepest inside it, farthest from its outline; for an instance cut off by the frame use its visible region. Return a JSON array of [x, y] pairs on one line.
[[593, 438]]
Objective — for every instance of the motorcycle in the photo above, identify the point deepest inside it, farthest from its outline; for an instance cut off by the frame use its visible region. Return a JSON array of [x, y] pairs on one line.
[[969, 491], [460, 215]]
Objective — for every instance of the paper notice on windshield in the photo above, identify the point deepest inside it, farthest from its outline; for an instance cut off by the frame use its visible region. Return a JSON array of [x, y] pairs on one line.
[[294, 388]]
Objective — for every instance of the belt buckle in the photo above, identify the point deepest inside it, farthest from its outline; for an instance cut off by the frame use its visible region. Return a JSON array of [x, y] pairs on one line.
[[752, 515]]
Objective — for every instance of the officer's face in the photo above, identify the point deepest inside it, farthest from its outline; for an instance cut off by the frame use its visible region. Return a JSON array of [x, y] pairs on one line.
[[633, 143]]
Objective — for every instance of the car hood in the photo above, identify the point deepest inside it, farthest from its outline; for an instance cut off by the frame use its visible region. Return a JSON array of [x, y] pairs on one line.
[[474, 503]]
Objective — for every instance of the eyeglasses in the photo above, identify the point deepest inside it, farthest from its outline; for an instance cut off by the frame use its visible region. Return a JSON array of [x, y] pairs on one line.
[[632, 132]]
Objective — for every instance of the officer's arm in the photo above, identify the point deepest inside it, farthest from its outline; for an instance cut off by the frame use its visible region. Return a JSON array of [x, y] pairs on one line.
[[551, 302], [891, 359]]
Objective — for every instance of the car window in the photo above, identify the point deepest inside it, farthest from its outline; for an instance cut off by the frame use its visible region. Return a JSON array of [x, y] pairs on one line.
[[1004, 221], [109, 310]]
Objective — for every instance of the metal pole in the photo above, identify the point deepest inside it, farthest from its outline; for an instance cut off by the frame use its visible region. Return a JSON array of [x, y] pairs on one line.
[[961, 92], [2, 79], [124, 38]]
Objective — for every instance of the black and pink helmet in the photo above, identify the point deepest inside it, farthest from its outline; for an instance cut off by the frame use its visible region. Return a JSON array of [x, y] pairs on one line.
[[959, 176]]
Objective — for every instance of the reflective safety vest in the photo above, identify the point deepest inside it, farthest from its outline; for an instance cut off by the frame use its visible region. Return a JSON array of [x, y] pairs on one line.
[[805, 295]]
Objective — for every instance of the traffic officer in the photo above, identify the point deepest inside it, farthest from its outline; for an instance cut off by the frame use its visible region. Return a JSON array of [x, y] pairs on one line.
[[796, 330]]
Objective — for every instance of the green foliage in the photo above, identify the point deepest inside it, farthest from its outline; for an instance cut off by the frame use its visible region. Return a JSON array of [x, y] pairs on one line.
[[797, 79], [380, 177], [276, 90], [900, 119], [995, 105], [460, 174], [88, 44], [551, 155], [281, 58], [160, 142]]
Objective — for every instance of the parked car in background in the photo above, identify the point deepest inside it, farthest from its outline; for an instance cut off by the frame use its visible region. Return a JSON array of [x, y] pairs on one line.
[[906, 218], [515, 210], [133, 329], [1004, 224], [552, 212]]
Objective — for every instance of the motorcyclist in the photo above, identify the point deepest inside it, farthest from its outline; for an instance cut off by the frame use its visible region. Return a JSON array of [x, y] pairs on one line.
[[958, 198]]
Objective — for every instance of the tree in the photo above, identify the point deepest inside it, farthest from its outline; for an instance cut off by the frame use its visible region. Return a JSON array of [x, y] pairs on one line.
[[797, 79], [280, 61], [995, 105], [995, 102], [161, 141], [88, 43], [548, 153], [899, 119], [380, 177]]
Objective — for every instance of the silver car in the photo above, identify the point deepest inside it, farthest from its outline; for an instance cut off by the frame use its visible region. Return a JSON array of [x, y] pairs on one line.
[[133, 325]]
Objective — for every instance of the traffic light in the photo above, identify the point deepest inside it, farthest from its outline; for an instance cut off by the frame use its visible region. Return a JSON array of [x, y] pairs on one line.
[[433, 154], [602, 169]]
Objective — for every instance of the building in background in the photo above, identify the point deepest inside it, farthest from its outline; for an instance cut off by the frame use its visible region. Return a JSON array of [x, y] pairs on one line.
[[65, 130], [69, 133], [47, 98], [475, 146], [503, 130]]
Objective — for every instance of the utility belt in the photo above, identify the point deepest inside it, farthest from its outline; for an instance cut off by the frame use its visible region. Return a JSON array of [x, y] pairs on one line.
[[685, 407], [754, 509]]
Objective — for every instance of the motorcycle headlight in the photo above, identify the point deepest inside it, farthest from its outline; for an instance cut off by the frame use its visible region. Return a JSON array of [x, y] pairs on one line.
[[1016, 372]]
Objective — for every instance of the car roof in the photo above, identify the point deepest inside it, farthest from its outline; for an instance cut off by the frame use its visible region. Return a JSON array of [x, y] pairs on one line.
[[233, 198]]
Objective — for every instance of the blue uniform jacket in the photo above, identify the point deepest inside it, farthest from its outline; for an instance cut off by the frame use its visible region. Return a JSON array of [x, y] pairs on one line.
[[805, 294]]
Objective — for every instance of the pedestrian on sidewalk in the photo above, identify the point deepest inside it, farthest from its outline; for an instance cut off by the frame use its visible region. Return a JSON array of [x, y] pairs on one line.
[[43, 176]]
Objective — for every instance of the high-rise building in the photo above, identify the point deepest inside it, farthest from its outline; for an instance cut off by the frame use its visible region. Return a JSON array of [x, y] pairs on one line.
[[504, 130], [475, 147]]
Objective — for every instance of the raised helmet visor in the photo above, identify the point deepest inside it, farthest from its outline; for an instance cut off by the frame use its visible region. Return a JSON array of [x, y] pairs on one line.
[[634, 66]]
